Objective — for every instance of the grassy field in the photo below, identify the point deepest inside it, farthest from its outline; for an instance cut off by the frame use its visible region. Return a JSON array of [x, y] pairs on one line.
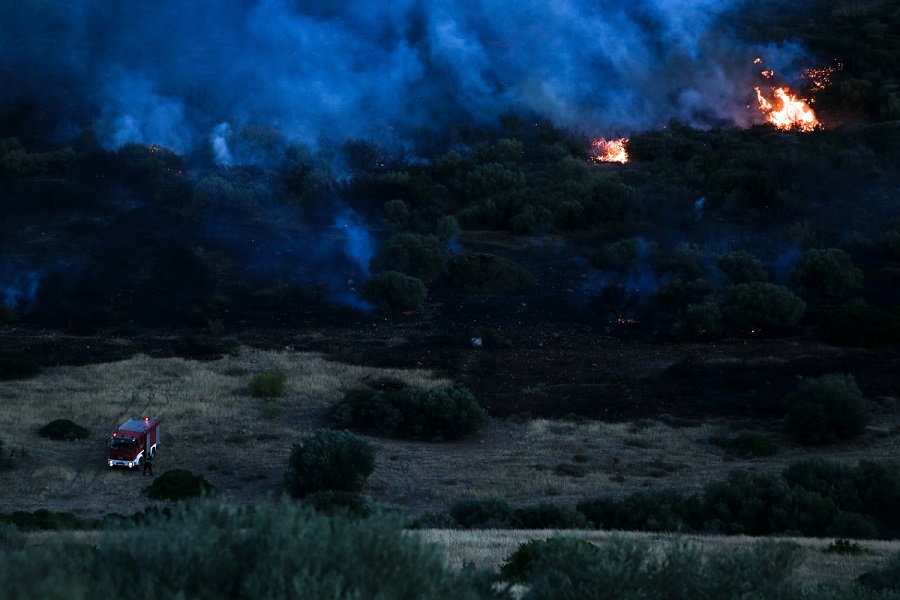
[[240, 443]]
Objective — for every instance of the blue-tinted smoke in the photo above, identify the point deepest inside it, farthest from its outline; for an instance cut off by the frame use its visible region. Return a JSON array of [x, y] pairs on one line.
[[18, 285], [173, 72]]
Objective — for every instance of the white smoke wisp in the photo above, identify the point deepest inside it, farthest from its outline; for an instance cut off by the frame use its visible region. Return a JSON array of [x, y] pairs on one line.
[[219, 142]]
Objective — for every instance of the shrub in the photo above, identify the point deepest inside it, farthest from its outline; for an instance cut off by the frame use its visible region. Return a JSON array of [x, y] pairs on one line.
[[329, 460], [752, 306], [829, 271], [744, 503], [520, 565], [490, 513], [203, 550], [648, 510], [16, 364], [863, 326], [749, 445], [268, 384], [844, 546], [826, 410], [551, 516], [444, 413], [623, 568], [339, 502], [742, 267], [63, 429], [702, 320], [46, 520], [393, 291], [179, 484], [887, 578], [488, 273], [413, 254]]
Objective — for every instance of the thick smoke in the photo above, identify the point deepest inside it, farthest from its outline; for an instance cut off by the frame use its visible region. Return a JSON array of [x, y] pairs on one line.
[[181, 73]]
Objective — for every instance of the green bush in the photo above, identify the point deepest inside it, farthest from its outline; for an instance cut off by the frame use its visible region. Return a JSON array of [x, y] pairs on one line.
[[742, 267], [550, 516], [572, 569], [826, 410], [413, 254], [646, 510], [393, 291], [16, 364], [179, 484], [490, 513], [202, 551], [828, 271], [46, 520], [488, 274], [519, 566], [339, 502], [886, 578], [63, 429], [750, 307], [444, 413], [268, 384], [701, 320], [749, 445], [863, 326], [329, 460]]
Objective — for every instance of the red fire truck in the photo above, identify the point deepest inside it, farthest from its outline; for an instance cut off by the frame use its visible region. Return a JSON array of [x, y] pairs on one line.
[[134, 441]]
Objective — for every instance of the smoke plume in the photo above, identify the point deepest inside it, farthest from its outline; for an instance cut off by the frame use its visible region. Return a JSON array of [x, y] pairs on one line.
[[181, 73]]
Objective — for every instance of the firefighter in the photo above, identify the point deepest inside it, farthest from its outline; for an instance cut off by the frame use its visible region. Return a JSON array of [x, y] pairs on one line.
[[148, 466]]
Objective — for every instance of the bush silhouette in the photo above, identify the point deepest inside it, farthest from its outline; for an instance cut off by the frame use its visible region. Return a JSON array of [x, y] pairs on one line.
[[179, 484], [828, 271], [488, 273], [826, 410], [16, 364], [756, 305], [268, 384], [329, 460], [393, 291], [412, 254], [444, 413], [63, 429]]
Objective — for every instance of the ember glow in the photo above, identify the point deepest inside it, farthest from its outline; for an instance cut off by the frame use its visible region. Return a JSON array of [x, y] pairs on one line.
[[786, 111], [820, 78], [603, 150]]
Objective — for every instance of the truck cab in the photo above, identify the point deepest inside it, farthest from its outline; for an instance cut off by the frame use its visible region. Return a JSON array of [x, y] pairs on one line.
[[133, 442]]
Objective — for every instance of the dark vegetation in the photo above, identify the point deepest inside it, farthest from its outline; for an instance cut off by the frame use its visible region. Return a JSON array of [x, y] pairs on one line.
[[813, 497], [268, 384], [63, 429], [445, 413], [179, 484], [329, 461], [488, 233]]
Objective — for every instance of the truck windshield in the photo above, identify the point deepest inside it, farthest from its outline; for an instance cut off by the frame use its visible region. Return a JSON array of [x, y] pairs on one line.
[[121, 444]]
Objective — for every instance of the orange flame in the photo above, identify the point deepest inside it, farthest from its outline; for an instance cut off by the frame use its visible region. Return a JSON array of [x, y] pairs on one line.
[[792, 113], [603, 150]]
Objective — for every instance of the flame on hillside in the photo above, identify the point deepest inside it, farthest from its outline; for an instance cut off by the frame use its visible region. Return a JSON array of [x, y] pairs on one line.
[[604, 150], [786, 111], [783, 109]]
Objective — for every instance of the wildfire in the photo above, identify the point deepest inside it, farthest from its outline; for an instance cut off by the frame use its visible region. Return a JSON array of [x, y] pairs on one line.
[[790, 112], [603, 150], [820, 78]]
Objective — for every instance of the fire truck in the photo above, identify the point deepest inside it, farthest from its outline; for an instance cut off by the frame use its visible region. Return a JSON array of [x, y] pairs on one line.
[[135, 441]]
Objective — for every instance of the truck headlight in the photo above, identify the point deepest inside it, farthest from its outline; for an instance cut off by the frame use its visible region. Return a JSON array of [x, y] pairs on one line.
[[130, 465]]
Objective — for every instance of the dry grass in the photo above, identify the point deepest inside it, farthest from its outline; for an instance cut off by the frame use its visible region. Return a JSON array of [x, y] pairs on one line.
[[490, 548], [214, 427], [211, 424]]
